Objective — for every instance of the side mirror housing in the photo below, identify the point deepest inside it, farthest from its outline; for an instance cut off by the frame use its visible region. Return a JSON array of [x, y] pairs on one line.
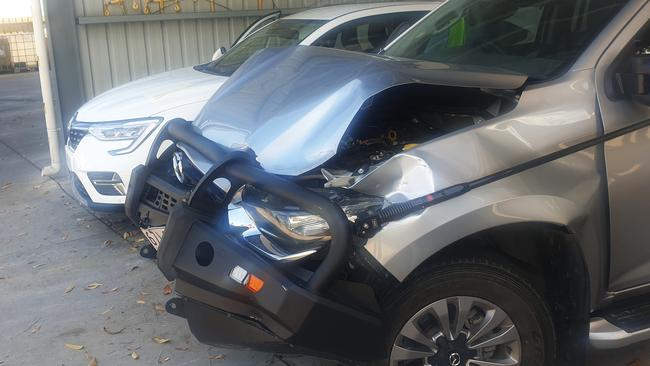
[[218, 53], [634, 77]]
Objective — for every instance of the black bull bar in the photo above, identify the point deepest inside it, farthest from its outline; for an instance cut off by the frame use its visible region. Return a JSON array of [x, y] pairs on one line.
[[301, 315]]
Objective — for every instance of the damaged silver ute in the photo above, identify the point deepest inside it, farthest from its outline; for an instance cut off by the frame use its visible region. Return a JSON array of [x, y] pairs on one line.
[[476, 195]]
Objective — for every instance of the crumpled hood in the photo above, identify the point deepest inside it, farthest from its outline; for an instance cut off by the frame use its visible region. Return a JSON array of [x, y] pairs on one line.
[[151, 95], [292, 106]]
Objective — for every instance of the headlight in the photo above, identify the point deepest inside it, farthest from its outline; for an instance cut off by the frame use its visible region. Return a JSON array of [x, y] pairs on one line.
[[136, 131], [302, 223], [295, 230]]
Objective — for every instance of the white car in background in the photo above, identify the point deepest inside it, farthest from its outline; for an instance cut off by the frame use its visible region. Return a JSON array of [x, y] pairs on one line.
[[113, 132]]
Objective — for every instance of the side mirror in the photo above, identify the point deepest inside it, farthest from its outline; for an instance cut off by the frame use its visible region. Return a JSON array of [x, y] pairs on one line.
[[634, 77], [218, 53]]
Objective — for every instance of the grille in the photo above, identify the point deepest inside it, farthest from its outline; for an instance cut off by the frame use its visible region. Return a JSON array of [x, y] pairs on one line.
[[159, 199], [74, 137]]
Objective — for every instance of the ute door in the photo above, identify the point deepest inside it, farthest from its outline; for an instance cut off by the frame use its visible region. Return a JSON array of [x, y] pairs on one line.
[[257, 25], [627, 158]]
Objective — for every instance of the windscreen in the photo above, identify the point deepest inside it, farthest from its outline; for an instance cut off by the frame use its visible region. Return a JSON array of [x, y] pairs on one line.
[[538, 38], [281, 33]]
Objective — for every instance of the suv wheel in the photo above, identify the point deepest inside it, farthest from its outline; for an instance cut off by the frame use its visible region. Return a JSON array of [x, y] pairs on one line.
[[471, 313]]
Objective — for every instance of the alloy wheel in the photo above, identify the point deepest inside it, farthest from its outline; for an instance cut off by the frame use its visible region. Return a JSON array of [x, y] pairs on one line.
[[458, 331]]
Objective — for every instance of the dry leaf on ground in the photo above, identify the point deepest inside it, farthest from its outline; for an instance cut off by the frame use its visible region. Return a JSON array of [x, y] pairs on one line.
[[114, 332], [111, 290], [36, 266], [93, 362], [76, 347], [135, 355], [160, 340], [167, 290], [107, 243], [129, 234], [163, 359], [216, 357], [159, 308], [93, 286]]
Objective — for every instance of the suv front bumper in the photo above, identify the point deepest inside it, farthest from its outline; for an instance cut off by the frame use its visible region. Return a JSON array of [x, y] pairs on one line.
[[295, 311]]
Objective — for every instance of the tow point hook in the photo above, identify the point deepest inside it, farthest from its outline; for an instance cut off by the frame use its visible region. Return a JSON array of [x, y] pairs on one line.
[[175, 306]]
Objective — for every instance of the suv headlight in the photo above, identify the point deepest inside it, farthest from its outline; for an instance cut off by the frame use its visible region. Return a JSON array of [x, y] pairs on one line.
[[295, 230], [134, 130]]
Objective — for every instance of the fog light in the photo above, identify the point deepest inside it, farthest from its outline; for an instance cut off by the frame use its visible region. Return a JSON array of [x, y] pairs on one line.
[[253, 283], [107, 183], [239, 275]]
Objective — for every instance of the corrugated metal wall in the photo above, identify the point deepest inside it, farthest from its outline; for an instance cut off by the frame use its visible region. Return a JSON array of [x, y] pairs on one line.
[[115, 53]]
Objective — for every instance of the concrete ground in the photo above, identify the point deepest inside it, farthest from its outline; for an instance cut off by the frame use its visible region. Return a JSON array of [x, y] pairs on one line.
[[68, 276]]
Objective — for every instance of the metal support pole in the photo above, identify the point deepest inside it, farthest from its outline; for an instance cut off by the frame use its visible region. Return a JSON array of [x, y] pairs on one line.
[[53, 129]]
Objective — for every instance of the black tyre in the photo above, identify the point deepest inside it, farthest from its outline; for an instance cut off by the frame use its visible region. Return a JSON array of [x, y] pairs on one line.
[[470, 313]]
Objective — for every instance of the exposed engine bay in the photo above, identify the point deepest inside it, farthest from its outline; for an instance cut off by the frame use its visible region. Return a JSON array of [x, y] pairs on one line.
[[403, 117]]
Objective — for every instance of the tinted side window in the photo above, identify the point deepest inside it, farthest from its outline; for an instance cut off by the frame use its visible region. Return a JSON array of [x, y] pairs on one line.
[[368, 34]]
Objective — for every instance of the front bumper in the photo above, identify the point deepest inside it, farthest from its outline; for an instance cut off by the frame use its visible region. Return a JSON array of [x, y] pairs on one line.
[[92, 156], [296, 310], [81, 194]]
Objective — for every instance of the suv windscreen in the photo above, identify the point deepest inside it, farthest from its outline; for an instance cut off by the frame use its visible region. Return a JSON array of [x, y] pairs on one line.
[[369, 34], [281, 33], [538, 38]]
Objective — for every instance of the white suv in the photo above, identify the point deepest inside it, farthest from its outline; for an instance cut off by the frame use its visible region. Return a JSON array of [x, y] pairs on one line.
[[113, 133]]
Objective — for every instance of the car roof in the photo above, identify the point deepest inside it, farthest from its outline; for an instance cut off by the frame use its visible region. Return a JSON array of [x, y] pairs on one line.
[[334, 11]]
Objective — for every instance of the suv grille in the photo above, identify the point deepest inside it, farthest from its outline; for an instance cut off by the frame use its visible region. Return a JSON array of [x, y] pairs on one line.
[[159, 199], [74, 137]]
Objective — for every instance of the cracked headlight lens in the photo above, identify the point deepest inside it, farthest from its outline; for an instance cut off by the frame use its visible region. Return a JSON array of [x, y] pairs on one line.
[[135, 130]]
